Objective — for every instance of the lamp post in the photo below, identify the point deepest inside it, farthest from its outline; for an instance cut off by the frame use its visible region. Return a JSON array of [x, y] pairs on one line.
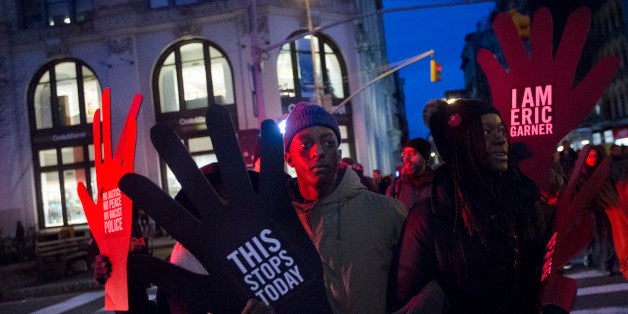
[[256, 50], [256, 67], [313, 49]]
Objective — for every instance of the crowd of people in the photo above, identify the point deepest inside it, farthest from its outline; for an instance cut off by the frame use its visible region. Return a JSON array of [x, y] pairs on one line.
[[465, 236]]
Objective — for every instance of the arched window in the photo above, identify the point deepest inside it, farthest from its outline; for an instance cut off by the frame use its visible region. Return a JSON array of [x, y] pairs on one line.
[[190, 76], [63, 97], [295, 76]]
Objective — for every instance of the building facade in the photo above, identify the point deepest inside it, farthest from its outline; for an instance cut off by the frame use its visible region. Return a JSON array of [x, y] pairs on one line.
[[252, 57], [608, 121]]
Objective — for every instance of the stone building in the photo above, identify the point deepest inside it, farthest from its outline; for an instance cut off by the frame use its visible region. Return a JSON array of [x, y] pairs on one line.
[[56, 57]]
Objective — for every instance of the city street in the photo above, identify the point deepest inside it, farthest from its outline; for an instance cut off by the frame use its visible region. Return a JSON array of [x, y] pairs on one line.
[[596, 294]]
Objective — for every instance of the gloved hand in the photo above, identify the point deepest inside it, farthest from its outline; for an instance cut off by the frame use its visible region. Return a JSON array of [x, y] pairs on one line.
[[538, 90], [110, 217], [102, 269], [253, 247]]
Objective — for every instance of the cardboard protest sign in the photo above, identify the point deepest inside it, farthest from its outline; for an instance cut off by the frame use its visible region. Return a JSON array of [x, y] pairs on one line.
[[536, 94], [251, 244], [110, 217]]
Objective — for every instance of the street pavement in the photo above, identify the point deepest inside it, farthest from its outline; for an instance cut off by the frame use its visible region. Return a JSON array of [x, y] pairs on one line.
[[597, 293]]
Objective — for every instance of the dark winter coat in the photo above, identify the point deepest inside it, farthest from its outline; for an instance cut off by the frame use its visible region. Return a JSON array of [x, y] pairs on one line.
[[412, 191], [499, 276], [355, 232]]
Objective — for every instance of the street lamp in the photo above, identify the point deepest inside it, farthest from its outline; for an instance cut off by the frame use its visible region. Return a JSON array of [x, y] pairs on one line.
[[313, 49]]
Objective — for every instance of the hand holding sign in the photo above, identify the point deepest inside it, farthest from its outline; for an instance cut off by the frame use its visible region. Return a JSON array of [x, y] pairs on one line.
[[536, 95], [109, 218], [252, 247]]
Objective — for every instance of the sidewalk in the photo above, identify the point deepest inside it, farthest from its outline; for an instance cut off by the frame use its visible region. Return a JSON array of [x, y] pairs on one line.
[[79, 281]]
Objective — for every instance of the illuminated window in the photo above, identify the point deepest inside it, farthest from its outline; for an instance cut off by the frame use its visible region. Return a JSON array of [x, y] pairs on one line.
[[63, 97], [53, 12], [183, 74], [295, 70], [190, 76]]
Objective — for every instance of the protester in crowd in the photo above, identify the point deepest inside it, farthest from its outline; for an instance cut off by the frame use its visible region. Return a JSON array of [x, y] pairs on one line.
[[478, 246], [359, 170], [601, 252], [387, 180], [619, 163], [414, 184], [376, 174], [381, 182], [558, 177], [354, 230], [367, 181], [568, 157]]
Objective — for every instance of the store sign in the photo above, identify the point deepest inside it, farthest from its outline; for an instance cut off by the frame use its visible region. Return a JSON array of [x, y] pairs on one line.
[[193, 120], [68, 136]]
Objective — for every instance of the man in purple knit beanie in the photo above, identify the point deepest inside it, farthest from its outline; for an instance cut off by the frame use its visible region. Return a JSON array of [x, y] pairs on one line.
[[354, 230]]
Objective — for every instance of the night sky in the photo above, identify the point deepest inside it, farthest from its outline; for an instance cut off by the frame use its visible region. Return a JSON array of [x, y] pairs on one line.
[[410, 33]]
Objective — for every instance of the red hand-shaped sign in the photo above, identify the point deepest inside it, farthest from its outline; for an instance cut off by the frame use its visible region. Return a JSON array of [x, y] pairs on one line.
[[110, 217], [618, 215], [536, 95]]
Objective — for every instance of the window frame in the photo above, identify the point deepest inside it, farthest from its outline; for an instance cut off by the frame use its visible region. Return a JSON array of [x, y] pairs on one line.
[[345, 118], [42, 15], [60, 136], [189, 123]]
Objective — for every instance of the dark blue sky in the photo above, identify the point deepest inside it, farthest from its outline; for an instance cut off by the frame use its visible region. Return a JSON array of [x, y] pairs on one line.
[[410, 33]]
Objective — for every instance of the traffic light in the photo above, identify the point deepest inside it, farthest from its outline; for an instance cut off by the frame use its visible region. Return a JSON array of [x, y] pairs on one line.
[[435, 71], [522, 22]]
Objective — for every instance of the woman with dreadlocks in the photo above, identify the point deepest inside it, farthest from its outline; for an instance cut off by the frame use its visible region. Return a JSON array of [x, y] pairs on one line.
[[480, 244]]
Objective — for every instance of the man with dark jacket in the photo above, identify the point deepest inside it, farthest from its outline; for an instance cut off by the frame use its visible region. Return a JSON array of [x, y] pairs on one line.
[[354, 230], [413, 185]]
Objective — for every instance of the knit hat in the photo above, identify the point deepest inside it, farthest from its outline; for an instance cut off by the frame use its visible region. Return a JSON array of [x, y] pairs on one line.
[[422, 146], [449, 124], [305, 115]]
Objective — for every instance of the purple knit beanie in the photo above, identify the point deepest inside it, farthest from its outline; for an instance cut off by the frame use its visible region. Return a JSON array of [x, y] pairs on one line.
[[305, 115]]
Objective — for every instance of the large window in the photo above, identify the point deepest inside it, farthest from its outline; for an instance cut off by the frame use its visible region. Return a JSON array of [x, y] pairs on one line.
[[190, 76], [295, 69], [63, 98], [54, 12], [296, 75]]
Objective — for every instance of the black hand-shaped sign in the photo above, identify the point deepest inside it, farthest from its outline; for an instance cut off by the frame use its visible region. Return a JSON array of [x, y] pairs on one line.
[[252, 247]]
